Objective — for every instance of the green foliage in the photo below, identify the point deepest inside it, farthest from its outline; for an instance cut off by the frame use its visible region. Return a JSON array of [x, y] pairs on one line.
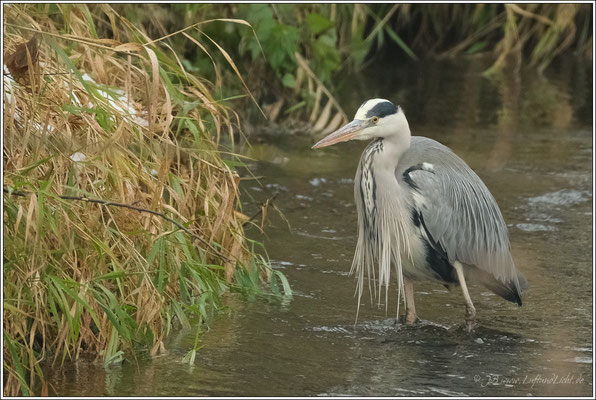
[[325, 55], [278, 41], [318, 24], [249, 278]]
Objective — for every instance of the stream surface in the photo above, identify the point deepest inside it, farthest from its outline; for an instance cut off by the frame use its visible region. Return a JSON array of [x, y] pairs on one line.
[[528, 137]]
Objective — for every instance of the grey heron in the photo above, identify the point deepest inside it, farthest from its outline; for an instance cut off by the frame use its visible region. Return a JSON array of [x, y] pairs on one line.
[[423, 210]]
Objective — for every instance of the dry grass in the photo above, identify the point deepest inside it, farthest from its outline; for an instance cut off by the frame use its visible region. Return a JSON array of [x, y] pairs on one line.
[[547, 29], [110, 116], [540, 31]]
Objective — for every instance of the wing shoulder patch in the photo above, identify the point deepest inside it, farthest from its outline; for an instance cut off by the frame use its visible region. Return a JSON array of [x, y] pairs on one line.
[[428, 167]]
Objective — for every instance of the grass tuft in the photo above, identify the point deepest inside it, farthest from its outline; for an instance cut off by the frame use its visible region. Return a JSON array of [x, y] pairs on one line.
[[102, 125]]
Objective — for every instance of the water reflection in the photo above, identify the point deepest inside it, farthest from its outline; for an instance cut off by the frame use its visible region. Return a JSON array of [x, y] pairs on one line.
[[509, 89], [538, 167]]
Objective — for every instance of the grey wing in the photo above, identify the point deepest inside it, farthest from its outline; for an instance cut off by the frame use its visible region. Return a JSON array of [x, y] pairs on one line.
[[461, 215]]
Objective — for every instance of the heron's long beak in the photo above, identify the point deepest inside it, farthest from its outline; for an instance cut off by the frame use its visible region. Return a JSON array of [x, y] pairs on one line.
[[343, 134]]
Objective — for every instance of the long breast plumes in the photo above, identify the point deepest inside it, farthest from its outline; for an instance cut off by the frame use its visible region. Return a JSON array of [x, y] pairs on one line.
[[382, 236]]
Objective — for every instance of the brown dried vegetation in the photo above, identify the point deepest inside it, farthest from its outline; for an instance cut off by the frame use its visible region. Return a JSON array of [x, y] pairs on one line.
[[113, 116]]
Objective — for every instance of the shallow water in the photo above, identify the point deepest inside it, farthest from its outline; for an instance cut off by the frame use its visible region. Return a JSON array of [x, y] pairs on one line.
[[529, 139]]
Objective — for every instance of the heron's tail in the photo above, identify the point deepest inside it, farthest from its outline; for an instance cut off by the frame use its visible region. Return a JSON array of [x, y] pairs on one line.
[[510, 290]]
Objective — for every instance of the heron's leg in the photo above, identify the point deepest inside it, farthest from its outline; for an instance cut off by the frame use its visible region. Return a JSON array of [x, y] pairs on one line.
[[470, 309], [410, 308]]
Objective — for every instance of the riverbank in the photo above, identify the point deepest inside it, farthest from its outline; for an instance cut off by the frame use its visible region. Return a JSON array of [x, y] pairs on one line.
[[122, 216]]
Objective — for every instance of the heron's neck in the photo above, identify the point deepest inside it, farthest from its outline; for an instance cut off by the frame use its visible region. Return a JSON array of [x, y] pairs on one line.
[[393, 148]]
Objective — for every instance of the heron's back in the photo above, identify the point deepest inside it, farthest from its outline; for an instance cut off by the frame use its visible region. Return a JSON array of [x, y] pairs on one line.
[[461, 214]]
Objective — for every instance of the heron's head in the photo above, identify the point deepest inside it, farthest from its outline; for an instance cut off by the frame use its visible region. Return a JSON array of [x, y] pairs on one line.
[[376, 118]]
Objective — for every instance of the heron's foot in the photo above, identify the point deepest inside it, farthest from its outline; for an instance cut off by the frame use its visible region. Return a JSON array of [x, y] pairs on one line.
[[470, 325]]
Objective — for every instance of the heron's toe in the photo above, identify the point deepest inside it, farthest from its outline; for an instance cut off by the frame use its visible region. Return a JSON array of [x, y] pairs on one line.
[[469, 326]]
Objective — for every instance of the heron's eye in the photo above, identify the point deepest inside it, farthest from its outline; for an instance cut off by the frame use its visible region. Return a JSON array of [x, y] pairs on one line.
[[375, 120]]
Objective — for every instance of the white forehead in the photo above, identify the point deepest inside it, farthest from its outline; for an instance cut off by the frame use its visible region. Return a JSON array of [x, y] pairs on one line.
[[367, 106]]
